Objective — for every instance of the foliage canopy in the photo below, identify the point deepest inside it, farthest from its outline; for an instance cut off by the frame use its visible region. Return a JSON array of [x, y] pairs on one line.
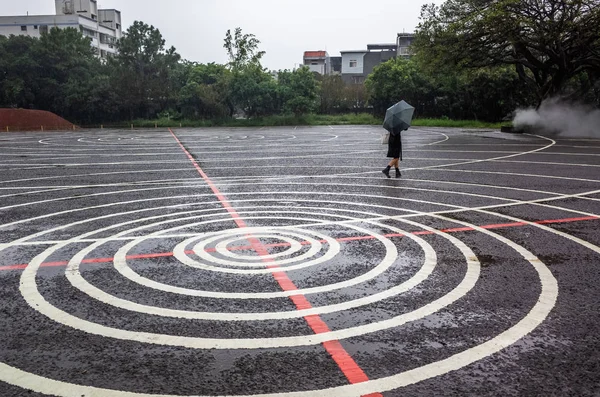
[[549, 42]]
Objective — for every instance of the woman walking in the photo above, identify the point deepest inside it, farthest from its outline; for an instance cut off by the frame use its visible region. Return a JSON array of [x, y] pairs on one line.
[[395, 153]]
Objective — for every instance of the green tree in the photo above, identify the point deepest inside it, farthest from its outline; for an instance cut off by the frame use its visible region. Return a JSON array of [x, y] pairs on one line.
[[334, 96], [145, 73], [252, 89], [357, 97], [242, 49], [299, 91], [255, 92], [488, 94], [19, 72], [71, 81], [400, 79], [93, 99], [57, 72], [548, 42], [206, 92]]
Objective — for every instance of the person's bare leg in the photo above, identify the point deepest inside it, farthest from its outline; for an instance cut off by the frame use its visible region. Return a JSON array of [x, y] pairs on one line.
[[397, 165], [393, 163], [387, 169]]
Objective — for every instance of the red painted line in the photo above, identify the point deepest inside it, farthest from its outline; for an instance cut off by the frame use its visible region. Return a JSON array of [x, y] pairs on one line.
[[568, 220], [343, 239], [347, 365], [222, 199], [23, 266], [358, 238]]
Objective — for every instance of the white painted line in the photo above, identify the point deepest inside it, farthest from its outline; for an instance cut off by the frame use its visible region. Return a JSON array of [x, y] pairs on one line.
[[31, 294], [538, 313]]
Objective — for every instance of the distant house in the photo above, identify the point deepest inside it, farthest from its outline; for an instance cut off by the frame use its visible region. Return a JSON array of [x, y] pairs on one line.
[[355, 65], [403, 43], [358, 64], [317, 61]]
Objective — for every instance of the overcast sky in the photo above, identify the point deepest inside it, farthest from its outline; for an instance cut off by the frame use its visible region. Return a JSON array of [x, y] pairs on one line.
[[286, 28]]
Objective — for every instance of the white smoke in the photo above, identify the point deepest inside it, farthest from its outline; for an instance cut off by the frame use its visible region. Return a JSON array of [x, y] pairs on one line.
[[563, 119]]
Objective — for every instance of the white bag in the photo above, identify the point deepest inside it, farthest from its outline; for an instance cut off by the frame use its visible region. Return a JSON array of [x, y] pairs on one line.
[[385, 139]]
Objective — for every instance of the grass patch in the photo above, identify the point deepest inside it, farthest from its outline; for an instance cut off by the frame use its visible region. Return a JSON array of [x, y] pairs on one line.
[[455, 123], [307, 120]]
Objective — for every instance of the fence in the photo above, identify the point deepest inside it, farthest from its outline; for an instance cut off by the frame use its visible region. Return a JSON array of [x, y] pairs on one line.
[[8, 128]]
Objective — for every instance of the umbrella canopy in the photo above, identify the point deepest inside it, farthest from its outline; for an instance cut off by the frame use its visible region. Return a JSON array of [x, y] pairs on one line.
[[398, 117]]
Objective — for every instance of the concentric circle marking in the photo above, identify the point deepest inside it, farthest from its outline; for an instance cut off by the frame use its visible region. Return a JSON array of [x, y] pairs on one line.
[[218, 251], [222, 248], [391, 253], [536, 315], [315, 246], [78, 281], [36, 301]]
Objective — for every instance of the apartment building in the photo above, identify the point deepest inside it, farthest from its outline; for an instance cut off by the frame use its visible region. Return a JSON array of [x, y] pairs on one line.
[[102, 26]]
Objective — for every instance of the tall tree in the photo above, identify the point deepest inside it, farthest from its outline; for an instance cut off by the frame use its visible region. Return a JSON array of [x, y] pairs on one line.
[[69, 70], [242, 49], [548, 41], [253, 90], [145, 71], [19, 71]]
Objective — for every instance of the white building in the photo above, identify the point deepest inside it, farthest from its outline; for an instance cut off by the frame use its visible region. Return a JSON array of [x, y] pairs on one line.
[[404, 42], [317, 61], [102, 26]]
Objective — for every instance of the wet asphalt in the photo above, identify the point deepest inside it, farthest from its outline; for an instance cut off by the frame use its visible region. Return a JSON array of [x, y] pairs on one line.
[[127, 268]]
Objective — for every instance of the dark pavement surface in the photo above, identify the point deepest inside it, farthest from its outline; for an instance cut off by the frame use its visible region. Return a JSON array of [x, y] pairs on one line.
[[124, 272]]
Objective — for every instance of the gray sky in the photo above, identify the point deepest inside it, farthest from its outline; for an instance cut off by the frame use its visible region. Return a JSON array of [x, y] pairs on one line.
[[286, 28]]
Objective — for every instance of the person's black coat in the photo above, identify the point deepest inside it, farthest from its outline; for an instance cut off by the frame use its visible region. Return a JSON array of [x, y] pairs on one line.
[[395, 146]]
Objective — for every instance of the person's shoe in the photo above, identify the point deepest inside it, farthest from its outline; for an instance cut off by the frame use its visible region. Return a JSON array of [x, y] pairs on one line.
[[398, 173], [386, 172]]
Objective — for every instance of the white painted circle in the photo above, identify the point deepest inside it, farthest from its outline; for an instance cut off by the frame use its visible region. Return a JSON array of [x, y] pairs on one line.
[[531, 320], [76, 279], [391, 253], [315, 246], [222, 248]]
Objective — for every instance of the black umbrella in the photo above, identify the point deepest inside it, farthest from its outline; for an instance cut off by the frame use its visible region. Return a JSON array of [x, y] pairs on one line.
[[398, 118]]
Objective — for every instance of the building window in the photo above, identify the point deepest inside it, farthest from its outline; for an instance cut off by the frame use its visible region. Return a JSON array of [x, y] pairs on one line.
[[314, 63], [43, 29], [353, 63], [106, 39], [35, 27], [23, 28], [87, 32]]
